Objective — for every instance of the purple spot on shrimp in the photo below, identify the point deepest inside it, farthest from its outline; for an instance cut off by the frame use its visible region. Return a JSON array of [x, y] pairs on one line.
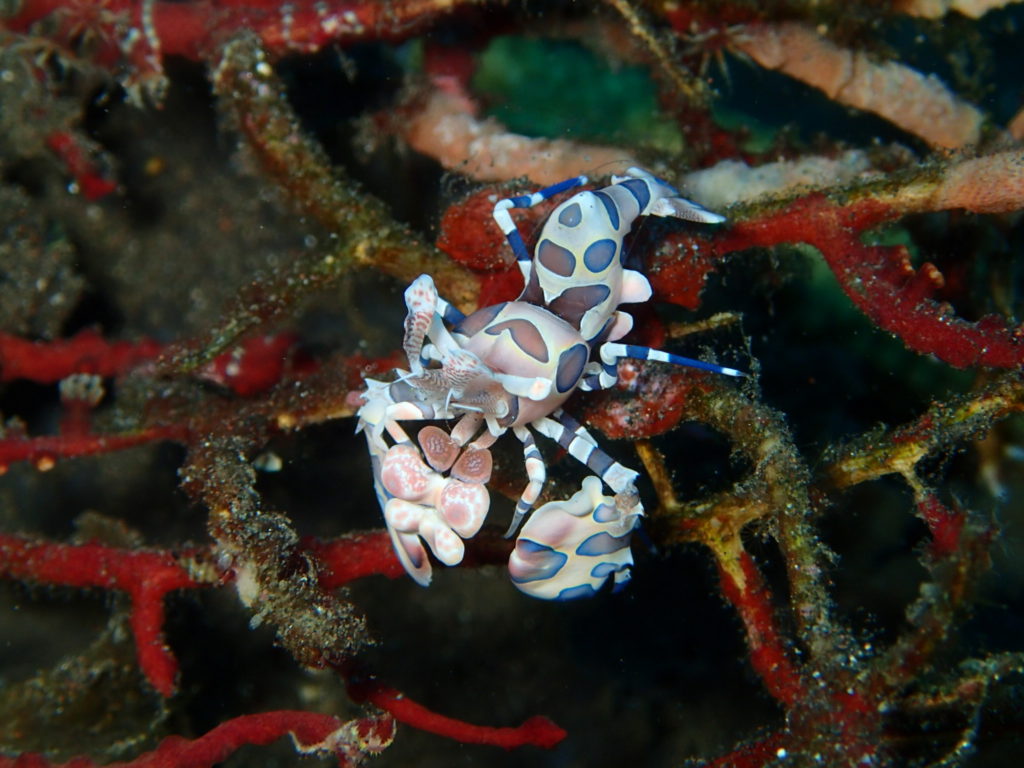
[[401, 391], [524, 335], [476, 322], [609, 208], [532, 292], [542, 562], [638, 188], [599, 463], [570, 367], [604, 570], [599, 255], [556, 258], [574, 593], [572, 303], [513, 412], [602, 544], [570, 215]]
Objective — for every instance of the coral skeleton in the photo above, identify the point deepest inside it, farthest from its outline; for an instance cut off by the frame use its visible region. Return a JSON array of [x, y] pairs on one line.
[[210, 212]]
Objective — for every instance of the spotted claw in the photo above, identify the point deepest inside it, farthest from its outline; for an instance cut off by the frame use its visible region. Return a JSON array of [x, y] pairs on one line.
[[423, 505], [569, 549]]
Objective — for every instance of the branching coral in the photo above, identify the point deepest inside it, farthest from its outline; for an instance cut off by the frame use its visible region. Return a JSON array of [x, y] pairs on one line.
[[921, 105], [220, 435]]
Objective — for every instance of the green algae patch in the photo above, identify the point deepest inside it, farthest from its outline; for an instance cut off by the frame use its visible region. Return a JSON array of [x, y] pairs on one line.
[[560, 89]]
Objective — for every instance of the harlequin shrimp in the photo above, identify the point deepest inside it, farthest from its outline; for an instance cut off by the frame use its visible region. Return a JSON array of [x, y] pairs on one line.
[[511, 366]]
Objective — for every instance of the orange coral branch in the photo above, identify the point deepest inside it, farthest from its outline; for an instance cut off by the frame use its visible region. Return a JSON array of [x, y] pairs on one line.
[[441, 127], [990, 184], [45, 450], [919, 104], [1016, 126], [935, 9], [899, 450]]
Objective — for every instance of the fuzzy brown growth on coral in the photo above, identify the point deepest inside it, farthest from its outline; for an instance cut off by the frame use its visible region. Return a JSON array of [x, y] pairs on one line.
[[188, 315]]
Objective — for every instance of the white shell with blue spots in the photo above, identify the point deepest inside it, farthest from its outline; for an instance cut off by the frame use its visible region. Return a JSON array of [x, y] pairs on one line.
[[511, 366], [569, 549]]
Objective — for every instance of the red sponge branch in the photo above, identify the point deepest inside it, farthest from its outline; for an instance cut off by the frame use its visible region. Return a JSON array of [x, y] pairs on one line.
[[311, 732], [192, 29], [92, 183], [147, 576], [537, 731], [744, 587], [45, 450], [47, 362], [249, 368], [354, 556], [881, 281]]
